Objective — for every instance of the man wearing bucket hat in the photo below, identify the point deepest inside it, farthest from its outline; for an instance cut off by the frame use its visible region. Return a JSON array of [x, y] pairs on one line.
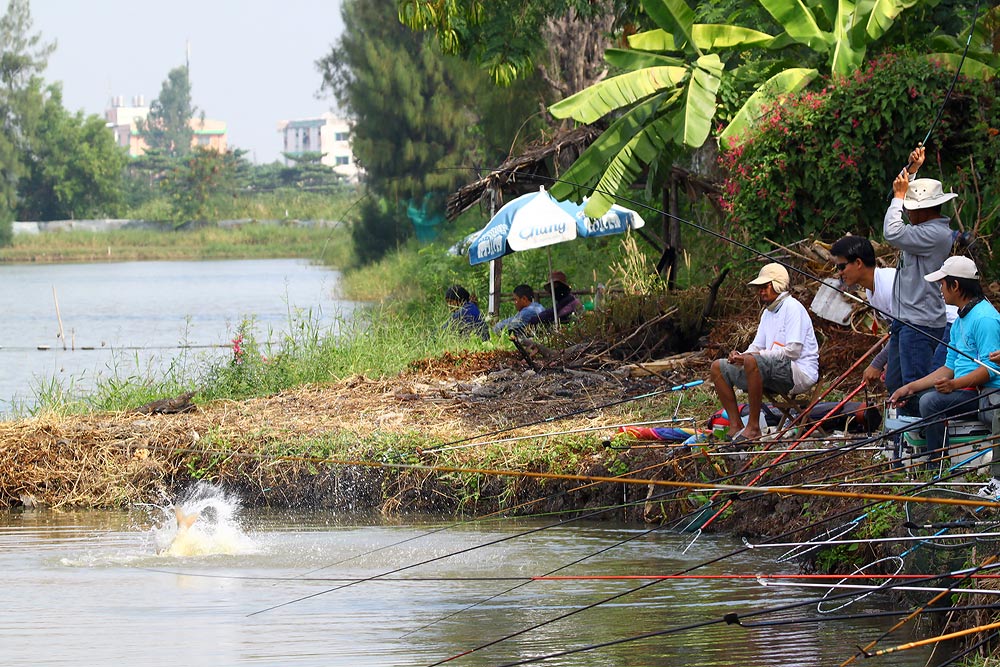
[[967, 384], [924, 243], [783, 357]]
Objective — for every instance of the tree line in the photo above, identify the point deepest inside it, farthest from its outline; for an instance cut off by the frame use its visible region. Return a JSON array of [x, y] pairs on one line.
[[442, 90], [57, 164]]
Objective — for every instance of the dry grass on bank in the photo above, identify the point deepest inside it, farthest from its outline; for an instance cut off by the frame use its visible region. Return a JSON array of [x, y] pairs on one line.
[[263, 444]]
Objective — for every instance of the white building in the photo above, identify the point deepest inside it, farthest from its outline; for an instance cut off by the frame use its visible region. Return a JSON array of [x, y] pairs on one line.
[[328, 135], [123, 121]]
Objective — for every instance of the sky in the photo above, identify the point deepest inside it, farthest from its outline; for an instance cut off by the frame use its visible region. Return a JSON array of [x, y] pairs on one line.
[[252, 61]]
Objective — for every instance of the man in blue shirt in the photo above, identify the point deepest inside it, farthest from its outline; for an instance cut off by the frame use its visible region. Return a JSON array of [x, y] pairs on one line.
[[527, 313], [967, 384]]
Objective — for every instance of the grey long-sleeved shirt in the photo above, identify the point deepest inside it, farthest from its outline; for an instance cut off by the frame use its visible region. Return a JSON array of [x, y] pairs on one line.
[[924, 248]]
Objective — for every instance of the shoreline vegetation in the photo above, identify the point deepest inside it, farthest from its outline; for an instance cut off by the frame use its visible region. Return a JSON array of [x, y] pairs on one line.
[[328, 245]]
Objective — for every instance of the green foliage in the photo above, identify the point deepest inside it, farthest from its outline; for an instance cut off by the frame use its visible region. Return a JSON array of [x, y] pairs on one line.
[[200, 183], [505, 37], [655, 115], [167, 128], [822, 161], [421, 119], [23, 56], [381, 228], [73, 167]]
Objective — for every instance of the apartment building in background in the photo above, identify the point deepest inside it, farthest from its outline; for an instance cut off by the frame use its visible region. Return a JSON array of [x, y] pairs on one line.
[[326, 134], [123, 119]]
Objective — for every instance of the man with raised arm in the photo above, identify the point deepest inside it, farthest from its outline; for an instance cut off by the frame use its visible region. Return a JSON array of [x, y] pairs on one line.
[[924, 240]]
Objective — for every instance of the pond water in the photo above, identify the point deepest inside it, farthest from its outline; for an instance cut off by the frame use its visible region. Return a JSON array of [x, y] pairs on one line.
[[135, 318], [97, 588]]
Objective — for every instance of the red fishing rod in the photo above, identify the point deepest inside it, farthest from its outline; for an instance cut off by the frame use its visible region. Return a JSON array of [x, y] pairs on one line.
[[775, 462]]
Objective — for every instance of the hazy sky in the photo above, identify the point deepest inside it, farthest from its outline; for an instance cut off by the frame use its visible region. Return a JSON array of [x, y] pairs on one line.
[[252, 61]]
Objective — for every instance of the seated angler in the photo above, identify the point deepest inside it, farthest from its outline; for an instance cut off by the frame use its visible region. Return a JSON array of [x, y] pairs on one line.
[[527, 313], [783, 357], [966, 384]]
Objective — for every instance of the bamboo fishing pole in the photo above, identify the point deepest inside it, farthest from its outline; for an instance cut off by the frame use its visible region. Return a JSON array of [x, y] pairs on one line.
[[864, 649]]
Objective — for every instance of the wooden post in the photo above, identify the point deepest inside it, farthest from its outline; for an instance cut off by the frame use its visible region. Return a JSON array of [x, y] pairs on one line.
[[496, 266]]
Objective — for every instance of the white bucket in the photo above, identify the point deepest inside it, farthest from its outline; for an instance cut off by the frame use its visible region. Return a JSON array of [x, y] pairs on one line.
[[830, 304]]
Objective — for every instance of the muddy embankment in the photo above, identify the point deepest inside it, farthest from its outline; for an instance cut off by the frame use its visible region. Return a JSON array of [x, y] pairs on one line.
[[369, 445]]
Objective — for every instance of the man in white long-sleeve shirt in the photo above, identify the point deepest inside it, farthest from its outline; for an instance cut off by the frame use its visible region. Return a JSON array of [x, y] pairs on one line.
[[783, 357]]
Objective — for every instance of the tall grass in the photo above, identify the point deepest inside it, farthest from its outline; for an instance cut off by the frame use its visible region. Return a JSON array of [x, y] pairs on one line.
[[328, 245], [377, 342]]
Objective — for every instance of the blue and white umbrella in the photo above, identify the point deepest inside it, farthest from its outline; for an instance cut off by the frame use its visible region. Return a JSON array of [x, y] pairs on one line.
[[536, 220]]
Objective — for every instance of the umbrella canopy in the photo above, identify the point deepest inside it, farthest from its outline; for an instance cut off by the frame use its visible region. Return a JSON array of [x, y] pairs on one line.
[[536, 220]]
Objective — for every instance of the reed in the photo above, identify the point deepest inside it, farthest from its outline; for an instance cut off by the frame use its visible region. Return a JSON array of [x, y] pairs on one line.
[[250, 241]]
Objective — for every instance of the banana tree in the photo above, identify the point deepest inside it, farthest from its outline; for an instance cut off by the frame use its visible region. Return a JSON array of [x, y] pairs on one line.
[[666, 99]]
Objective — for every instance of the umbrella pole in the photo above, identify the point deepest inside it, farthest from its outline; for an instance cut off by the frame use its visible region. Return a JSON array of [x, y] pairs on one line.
[[552, 288], [496, 267]]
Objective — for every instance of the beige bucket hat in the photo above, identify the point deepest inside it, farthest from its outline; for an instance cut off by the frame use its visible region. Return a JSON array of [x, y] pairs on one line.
[[925, 193]]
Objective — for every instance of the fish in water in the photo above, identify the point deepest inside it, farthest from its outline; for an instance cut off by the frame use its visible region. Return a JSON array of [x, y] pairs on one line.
[[184, 544]]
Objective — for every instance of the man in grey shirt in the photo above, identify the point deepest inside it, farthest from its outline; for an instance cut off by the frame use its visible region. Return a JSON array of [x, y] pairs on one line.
[[925, 242]]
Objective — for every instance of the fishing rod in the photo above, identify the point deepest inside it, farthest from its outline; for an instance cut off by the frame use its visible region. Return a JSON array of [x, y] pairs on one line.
[[608, 600], [731, 618], [864, 649], [878, 540], [545, 577], [451, 445], [763, 472]]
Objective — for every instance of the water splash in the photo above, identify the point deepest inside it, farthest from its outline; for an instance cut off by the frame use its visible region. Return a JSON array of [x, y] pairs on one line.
[[215, 529]]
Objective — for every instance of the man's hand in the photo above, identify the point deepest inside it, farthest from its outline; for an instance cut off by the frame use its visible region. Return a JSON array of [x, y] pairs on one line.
[[995, 356], [900, 395], [736, 358], [916, 160], [900, 185], [944, 386], [872, 376]]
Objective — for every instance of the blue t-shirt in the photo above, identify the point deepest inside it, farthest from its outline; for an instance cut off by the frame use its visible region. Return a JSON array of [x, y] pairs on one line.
[[976, 335], [467, 319]]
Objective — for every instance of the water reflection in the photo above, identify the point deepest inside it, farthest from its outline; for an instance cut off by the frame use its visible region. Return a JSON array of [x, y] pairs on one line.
[[76, 580]]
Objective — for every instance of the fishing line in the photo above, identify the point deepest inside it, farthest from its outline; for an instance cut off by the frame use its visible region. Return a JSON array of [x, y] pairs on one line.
[[728, 619], [543, 577], [864, 649], [605, 601], [498, 515]]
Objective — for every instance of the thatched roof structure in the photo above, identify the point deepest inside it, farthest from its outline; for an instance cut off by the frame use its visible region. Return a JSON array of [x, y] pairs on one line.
[[525, 172], [544, 161]]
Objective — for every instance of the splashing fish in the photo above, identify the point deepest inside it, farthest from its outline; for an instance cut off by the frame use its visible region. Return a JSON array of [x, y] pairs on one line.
[[203, 524]]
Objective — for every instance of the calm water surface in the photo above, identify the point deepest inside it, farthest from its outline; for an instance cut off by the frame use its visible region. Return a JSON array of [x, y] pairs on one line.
[[88, 588], [138, 317]]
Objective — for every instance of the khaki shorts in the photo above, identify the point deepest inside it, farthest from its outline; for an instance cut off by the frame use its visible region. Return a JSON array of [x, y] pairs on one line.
[[775, 371]]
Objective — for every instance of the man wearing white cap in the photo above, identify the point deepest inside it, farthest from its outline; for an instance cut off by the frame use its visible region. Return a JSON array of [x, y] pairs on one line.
[[966, 383], [783, 357], [924, 244]]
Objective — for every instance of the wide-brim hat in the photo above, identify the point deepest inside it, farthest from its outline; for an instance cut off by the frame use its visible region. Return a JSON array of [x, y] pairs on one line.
[[925, 193]]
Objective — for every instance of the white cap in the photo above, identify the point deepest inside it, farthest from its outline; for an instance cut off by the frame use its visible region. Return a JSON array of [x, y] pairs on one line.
[[954, 267]]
